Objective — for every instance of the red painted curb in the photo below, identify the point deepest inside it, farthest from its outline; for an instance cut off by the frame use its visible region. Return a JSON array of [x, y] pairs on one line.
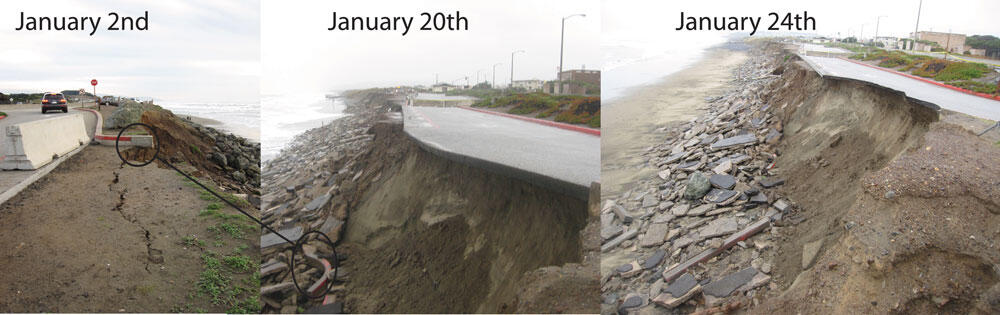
[[983, 95], [591, 131], [98, 126], [4, 116]]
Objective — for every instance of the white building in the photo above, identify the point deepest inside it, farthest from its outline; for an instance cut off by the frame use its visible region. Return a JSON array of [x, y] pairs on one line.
[[530, 85]]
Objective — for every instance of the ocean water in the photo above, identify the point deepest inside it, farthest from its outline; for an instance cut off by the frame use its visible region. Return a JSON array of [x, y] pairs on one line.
[[633, 62], [242, 119], [285, 116]]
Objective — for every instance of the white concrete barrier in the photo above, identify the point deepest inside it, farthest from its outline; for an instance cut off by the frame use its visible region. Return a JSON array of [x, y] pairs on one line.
[[31, 145]]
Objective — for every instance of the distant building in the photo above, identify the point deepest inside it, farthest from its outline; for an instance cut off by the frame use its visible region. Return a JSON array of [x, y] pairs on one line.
[[889, 42], [977, 52], [575, 82], [952, 42], [529, 85], [444, 87]]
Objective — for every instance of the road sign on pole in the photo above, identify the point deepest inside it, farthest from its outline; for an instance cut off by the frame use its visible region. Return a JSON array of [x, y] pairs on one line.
[[93, 82]]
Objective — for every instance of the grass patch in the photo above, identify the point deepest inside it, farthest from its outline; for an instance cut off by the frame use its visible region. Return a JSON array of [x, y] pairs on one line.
[[976, 86], [215, 282], [962, 71], [239, 263], [192, 241], [573, 109], [194, 149], [211, 281], [235, 230], [240, 249], [3, 114]]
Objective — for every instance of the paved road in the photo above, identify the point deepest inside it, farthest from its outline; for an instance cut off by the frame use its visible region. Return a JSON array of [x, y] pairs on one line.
[[24, 113], [937, 95], [567, 161]]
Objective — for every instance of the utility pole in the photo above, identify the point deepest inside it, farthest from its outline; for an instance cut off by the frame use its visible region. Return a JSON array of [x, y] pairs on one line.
[[913, 45], [477, 76], [862, 35], [512, 67], [877, 20], [435, 79], [494, 82], [947, 45], [562, 36]]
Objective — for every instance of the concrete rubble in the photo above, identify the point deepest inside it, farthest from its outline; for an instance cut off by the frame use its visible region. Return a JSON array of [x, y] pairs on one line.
[[311, 186], [701, 221]]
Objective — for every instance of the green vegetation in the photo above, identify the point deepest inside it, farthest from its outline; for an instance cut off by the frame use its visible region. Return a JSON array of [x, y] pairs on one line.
[[234, 230], [944, 70], [573, 109], [3, 114], [208, 196], [959, 74], [962, 71], [225, 281], [192, 241], [216, 283], [194, 149], [238, 263], [976, 86]]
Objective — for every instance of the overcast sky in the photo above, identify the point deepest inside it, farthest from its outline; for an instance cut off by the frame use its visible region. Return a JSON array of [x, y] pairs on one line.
[[300, 55], [194, 51], [644, 19]]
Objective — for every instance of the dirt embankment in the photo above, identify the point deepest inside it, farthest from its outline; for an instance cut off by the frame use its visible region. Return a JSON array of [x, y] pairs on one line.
[[905, 207], [438, 236], [421, 233], [229, 160]]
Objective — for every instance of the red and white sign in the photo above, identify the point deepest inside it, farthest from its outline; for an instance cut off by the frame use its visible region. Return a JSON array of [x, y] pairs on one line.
[[93, 82]]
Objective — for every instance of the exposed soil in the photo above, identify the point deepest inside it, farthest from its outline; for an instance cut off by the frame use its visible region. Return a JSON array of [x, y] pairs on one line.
[[439, 236], [180, 141], [906, 206], [835, 132], [94, 236]]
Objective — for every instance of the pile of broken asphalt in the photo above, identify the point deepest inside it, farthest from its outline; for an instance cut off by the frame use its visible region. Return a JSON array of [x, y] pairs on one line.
[[697, 229], [309, 187]]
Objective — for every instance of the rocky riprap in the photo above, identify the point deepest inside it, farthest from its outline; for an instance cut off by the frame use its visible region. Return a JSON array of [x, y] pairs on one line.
[[238, 157], [310, 186], [710, 205]]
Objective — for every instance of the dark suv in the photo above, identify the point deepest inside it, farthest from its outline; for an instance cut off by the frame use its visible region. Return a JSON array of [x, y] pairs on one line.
[[53, 101]]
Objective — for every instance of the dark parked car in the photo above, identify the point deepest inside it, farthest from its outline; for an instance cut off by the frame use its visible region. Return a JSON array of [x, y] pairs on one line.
[[109, 100], [54, 101]]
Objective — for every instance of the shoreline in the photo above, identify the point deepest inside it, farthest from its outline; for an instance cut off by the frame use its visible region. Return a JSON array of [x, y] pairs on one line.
[[629, 128], [330, 110], [238, 130]]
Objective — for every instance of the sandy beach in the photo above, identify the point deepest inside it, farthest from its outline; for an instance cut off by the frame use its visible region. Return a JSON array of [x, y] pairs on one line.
[[629, 121]]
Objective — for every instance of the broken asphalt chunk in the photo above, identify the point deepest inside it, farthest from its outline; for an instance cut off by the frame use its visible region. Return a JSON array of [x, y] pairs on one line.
[[721, 196], [271, 239], [722, 181], [736, 141], [724, 287], [771, 182]]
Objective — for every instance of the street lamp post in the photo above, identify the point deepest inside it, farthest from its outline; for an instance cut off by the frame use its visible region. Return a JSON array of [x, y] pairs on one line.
[[477, 76], [512, 67], [494, 82], [562, 36]]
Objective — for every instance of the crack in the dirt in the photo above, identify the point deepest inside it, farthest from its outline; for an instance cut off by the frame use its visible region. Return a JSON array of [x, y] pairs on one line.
[[152, 254]]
